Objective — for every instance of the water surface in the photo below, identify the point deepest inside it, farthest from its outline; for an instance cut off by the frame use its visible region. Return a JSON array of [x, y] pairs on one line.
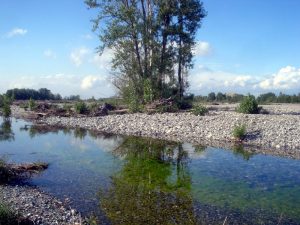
[[129, 180]]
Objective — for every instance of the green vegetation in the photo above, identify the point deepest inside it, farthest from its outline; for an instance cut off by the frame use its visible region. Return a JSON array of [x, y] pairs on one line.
[[81, 107], [5, 103], [200, 110], [152, 44], [7, 217], [248, 105], [265, 98], [239, 132], [31, 104], [26, 94]]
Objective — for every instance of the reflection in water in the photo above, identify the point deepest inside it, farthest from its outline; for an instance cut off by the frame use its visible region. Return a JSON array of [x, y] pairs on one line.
[[153, 187], [6, 133], [146, 181], [239, 150]]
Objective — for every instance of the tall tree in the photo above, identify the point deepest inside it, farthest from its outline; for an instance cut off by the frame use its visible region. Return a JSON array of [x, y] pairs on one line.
[[150, 39]]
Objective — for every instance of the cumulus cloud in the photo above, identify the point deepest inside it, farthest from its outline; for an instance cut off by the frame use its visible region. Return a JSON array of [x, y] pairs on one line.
[[204, 80], [103, 61], [286, 78], [89, 82], [16, 32], [64, 84], [202, 48], [49, 54], [77, 56]]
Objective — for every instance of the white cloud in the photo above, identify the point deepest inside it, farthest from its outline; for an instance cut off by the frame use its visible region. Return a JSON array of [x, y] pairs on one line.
[[16, 32], [50, 54], [63, 84], [286, 78], [204, 80], [89, 82], [103, 61], [202, 48], [77, 56]]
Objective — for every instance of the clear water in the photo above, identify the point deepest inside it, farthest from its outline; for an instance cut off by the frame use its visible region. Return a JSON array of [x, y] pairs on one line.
[[129, 180]]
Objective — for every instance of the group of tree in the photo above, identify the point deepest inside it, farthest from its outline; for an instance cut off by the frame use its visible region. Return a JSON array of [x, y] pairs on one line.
[[265, 98], [26, 94], [153, 43]]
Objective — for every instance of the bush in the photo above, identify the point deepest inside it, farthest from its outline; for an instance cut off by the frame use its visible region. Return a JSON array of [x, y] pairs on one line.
[[239, 132], [81, 108], [31, 104], [200, 110], [248, 105], [6, 110]]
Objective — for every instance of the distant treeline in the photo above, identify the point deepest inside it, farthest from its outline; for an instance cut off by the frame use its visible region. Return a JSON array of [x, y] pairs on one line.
[[262, 99], [41, 94], [26, 94]]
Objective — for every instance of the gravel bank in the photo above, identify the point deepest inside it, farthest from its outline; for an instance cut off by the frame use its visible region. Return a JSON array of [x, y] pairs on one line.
[[37, 206], [275, 134]]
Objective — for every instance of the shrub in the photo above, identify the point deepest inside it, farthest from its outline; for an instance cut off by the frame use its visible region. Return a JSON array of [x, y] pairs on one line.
[[248, 105], [81, 108], [239, 132], [6, 110], [31, 104], [93, 107], [200, 110]]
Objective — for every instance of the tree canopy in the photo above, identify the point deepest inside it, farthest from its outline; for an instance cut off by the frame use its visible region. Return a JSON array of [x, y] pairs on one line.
[[26, 94], [152, 43]]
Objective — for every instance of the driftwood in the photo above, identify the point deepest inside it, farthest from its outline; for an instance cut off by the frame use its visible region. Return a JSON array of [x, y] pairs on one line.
[[164, 102], [28, 167]]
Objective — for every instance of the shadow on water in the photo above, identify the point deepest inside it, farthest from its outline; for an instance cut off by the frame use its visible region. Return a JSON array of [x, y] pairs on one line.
[[131, 180], [6, 132]]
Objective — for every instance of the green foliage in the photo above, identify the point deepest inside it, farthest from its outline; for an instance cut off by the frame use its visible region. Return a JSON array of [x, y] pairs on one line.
[[131, 98], [239, 132], [81, 107], [148, 39], [93, 107], [26, 94], [31, 104], [199, 110], [6, 110], [148, 91], [67, 107], [248, 105]]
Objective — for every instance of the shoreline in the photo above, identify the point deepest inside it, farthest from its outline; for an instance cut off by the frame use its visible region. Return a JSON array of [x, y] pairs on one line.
[[37, 206], [275, 133], [267, 134]]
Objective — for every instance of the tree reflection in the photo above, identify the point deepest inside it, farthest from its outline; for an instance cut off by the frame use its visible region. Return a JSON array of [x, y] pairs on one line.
[[240, 151], [153, 186], [6, 133]]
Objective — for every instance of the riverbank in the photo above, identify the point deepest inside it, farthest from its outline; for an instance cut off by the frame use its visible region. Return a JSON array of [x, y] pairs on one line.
[[276, 133], [36, 206], [273, 134]]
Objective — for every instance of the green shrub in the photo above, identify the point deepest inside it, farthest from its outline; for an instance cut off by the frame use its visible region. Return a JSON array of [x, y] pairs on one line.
[[248, 105], [6, 110], [199, 110], [31, 104], [93, 107], [81, 108], [239, 132]]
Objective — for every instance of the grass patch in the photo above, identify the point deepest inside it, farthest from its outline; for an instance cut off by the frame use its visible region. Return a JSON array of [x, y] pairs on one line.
[[199, 110], [239, 132]]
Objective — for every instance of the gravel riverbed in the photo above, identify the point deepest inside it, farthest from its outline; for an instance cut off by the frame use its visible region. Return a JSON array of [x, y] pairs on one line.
[[37, 206], [277, 134]]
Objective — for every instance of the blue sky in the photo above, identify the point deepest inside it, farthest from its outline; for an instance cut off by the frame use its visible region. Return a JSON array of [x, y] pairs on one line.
[[243, 46]]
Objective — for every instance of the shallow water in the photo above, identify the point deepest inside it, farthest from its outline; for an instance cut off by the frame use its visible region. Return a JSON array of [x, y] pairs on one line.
[[129, 180]]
